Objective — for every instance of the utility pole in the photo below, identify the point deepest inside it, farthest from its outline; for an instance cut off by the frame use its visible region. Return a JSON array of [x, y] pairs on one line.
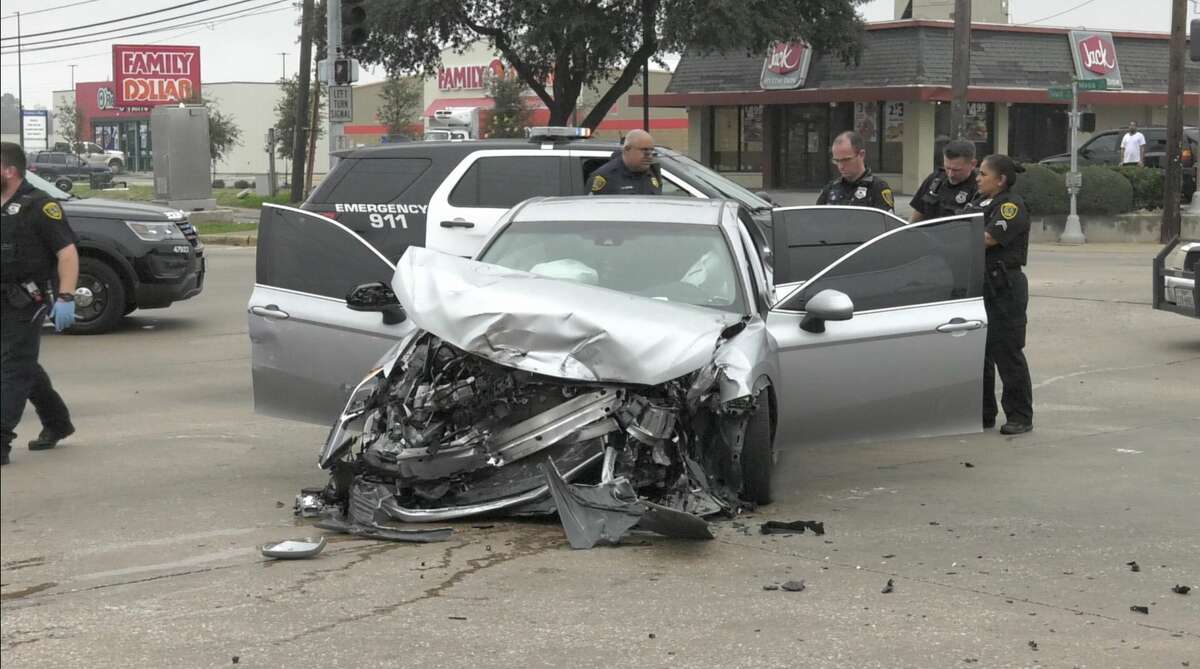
[[300, 118], [961, 72], [20, 90], [1174, 178]]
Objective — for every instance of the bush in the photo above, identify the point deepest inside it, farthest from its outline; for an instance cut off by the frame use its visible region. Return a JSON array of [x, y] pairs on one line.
[[242, 183], [1147, 185], [1043, 189], [217, 183], [1105, 192]]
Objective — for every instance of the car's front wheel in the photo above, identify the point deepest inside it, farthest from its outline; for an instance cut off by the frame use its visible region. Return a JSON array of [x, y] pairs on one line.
[[99, 298], [758, 459], [64, 184], [116, 165]]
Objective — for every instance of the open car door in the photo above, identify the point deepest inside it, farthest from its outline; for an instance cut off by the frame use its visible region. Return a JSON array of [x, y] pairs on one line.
[[308, 351], [907, 360]]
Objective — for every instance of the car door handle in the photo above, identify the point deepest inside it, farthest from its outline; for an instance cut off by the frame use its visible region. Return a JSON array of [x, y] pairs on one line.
[[269, 311], [458, 223], [959, 325]]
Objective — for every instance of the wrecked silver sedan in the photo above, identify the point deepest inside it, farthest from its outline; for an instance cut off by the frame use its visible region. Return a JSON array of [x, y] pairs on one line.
[[625, 362]]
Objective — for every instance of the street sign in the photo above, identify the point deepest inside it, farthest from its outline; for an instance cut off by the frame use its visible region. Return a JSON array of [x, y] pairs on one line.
[[1092, 84], [341, 104], [1059, 93], [1075, 180]]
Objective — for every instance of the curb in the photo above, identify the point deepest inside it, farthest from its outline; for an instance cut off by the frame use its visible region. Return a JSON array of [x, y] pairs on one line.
[[241, 239]]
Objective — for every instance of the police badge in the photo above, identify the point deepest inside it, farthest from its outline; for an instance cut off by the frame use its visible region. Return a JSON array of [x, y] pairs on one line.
[[961, 197], [861, 193]]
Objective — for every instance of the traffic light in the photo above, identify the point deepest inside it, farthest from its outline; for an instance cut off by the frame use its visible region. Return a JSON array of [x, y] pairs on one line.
[[354, 23], [341, 72]]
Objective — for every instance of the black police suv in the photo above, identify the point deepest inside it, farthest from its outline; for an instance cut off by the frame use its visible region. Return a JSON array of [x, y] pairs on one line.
[[449, 195], [132, 255]]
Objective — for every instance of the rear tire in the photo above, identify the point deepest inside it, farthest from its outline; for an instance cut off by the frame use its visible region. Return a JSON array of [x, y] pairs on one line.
[[758, 458], [105, 304]]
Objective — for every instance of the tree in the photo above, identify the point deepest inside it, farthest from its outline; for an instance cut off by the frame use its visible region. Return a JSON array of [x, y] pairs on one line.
[[400, 104], [223, 131], [70, 124], [559, 47], [285, 116], [10, 114], [510, 113]]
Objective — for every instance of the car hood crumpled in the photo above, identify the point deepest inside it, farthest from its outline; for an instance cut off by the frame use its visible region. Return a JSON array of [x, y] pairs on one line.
[[554, 327]]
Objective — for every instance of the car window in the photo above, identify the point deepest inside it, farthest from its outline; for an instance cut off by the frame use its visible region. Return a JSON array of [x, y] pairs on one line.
[[295, 252], [807, 240], [1156, 140], [374, 180], [57, 158], [500, 182], [722, 185], [1104, 143], [913, 265], [669, 187], [74, 161], [676, 262]]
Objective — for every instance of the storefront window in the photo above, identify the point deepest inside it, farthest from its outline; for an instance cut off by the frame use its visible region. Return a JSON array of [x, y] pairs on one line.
[[979, 127], [891, 150], [737, 139]]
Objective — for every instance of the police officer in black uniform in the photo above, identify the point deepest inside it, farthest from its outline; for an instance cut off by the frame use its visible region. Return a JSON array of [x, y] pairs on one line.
[[36, 245], [856, 187], [630, 173], [951, 187], [1005, 294]]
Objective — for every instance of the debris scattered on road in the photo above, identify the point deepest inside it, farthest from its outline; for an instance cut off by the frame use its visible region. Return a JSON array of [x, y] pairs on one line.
[[889, 556], [278, 504], [308, 504], [651, 636], [968, 465], [770, 586], [1181, 589], [1133, 566], [236, 659], [1140, 609], [934, 523], [793, 586], [482, 527], [793, 527], [1033, 645], [889, 588], [457, 617], [1129, 451], [294, 549]]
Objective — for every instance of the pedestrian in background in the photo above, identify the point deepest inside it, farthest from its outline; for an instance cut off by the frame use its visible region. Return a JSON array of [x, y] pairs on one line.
[[856, 186], [36, 244], [1005, 294], [951, 187], [1133, 146], [631, 172]]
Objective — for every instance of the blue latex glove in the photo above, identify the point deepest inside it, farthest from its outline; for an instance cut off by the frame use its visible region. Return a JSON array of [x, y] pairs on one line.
[[63, 314]]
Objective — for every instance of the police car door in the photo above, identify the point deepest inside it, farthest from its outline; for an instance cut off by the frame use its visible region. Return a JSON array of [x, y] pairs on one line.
[[909, 362], [307, 349], [466, 206]]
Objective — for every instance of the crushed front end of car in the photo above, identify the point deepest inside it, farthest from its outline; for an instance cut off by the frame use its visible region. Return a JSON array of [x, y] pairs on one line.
[[441, 432]]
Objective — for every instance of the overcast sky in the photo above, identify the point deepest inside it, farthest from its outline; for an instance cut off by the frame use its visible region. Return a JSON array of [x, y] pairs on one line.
[[246, 48]]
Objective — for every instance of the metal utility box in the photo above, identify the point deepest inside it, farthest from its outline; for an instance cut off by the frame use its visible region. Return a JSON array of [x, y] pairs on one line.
[[181, 158]]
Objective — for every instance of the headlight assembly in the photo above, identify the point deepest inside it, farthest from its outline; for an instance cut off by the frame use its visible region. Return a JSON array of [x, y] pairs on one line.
[[155, 231]]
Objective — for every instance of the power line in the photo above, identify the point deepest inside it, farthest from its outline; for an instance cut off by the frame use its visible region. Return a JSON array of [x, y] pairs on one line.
[[104, 23], [50, 9], [1081, 5], [185, 33], [198, 22], [25, 45]]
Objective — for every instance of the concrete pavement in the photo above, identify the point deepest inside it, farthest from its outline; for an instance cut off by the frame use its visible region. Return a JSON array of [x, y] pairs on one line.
[[134, 543]]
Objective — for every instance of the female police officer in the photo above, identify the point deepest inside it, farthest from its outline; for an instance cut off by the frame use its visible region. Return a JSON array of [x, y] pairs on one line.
[[1005, 293]]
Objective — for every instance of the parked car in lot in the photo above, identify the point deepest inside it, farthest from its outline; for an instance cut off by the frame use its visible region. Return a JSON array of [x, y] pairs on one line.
[[448, 195], [94, 154], [638, 344], [63, 168], [1174, 287], [1104, 148], [133, 255]]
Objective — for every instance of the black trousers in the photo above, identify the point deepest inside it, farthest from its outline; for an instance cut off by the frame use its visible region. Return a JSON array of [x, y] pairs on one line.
[[1006, 310], [22, 378]]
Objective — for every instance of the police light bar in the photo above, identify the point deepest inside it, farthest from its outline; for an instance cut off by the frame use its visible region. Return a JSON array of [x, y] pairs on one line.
[[557, 132]]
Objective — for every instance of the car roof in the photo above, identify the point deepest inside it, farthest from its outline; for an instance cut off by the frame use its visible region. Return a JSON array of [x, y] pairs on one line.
[[640, 208], [406, 149]]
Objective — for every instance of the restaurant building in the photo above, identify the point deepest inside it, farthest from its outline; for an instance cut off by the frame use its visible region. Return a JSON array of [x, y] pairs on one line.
[[768, 121]]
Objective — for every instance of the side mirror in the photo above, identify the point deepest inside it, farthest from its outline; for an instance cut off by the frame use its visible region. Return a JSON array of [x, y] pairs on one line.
[[827, 305], [764, 195], [379, 297]]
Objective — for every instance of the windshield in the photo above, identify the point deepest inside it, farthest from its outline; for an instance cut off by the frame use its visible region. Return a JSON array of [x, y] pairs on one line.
[[46, 187], [720, 184], [675, 262]]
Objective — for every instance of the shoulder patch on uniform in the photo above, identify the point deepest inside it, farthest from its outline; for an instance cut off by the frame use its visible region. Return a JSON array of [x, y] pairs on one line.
[[654, 182], [1009, 211], [52, 210], [598, 183], [886, 193]]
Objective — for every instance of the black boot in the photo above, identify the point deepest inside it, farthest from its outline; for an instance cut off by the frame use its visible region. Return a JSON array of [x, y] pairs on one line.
[[49, 438]]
